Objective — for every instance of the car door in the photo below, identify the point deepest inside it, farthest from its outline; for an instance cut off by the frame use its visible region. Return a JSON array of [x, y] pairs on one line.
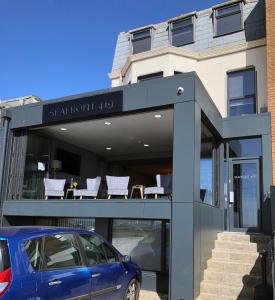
[[64, 275], [107, 271]]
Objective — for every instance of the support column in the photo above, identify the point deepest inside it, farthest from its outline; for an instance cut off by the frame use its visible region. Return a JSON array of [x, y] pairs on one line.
[[186, 169]]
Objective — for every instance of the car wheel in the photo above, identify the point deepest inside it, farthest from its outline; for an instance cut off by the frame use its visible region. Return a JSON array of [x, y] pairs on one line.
[[132, 292]]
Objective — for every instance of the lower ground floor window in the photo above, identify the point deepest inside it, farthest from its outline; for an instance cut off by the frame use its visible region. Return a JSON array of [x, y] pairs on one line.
[[143, 240]]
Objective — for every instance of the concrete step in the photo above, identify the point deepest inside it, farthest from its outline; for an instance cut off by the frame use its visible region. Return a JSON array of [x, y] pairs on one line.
[[232, 279], [206, 296], [234, 267], [235, 256], [239, 246], [226, 290], [243, 237]]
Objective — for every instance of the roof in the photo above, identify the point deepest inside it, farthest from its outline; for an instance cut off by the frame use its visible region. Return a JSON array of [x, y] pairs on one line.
[[32, 231]]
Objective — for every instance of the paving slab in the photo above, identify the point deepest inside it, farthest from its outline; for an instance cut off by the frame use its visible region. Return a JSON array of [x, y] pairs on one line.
[[148, 295]]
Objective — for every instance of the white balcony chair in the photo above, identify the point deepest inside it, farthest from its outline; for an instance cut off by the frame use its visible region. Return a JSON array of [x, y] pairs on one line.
[[155, 190], [54, 187], [164, 186], [117, 186], [92, 188]]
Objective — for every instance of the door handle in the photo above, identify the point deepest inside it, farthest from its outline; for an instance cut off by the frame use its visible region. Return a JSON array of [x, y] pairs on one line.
[[96, 275], [55, 282]]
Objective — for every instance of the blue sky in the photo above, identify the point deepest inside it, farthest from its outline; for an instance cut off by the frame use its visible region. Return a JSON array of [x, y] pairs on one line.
[[53, 48]]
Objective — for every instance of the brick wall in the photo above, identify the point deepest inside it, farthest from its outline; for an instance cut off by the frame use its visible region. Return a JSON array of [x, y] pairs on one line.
[[270, 31]]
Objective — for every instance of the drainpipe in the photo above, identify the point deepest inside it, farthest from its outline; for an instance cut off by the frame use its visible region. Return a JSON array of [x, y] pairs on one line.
[[6, 116]]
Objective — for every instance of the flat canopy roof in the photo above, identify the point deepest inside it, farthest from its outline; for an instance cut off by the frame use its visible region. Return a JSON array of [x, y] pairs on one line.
[[151, 95]]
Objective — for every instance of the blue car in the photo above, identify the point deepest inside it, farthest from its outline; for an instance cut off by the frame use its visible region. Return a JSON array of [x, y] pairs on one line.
[[39, 263]]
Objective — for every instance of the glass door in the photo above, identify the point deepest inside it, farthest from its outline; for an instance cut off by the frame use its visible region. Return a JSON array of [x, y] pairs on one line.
[[244, 195]]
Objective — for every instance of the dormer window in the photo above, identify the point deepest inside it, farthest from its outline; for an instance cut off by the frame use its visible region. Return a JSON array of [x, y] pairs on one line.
[[182, 31], [228, 19], [141, 41]]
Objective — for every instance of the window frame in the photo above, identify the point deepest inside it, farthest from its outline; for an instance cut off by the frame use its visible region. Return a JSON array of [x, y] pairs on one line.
[[215, 17], [132, 39], [192, 18], [77, 246], [255, 93]]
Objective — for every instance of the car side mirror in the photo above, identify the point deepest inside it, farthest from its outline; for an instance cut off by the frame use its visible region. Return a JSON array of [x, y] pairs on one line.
[[126, 258]]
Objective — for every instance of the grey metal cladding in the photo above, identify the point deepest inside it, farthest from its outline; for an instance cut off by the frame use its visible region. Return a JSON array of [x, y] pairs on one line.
[[254, 28]]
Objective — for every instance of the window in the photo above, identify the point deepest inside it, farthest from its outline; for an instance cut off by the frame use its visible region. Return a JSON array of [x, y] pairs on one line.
[[245, 148], [242, 92], [97, 251], [228, 19], [150, 76], [141, 41], [208, 167], [182, 32], [61, 252], [33, 250], [140, 239]]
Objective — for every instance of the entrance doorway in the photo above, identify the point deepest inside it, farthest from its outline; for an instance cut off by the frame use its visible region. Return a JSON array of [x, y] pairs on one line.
[[244, 195]]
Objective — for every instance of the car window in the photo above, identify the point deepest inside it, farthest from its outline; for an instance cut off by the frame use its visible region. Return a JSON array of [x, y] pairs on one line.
[[97, 252], [33, 250], [60, 251], [111, 255], [4, 256]]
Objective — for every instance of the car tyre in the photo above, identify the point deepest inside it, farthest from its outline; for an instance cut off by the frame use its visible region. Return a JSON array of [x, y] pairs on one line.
[[132, 291]]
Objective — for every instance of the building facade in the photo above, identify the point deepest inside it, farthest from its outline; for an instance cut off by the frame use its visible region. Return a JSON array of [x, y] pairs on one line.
[[188, 101]]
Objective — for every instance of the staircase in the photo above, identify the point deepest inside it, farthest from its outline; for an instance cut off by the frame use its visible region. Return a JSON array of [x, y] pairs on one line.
[[234, 268]]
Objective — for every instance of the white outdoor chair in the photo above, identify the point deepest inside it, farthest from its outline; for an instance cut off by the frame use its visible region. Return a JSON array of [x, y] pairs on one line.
[[117, 186], [54, 187], [92, 188], [155, 190]]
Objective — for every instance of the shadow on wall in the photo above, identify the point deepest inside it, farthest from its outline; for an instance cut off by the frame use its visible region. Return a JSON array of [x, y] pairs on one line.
[[253, 287], [256, 19]]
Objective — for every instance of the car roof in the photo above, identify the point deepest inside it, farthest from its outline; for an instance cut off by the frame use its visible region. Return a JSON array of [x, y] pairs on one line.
[[33, 231]]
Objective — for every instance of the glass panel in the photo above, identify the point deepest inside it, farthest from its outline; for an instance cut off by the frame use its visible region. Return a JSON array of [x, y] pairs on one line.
[[141, 45], [82, 223], [141, 34], [245, 148], [33, 250], [228, 10], [141, 240], [207, 166], [36, 167], [240, 107], [241, 84], [60, 252], [181, 23], [94, 249], [229, 24], [245, 181], [182, 36]]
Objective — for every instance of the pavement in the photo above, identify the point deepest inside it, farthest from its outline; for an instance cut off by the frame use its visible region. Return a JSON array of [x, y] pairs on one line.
[[148, 295]]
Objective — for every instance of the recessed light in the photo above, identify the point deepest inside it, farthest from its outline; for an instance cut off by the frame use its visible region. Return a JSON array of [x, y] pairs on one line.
[[108, 148], [108, 123], [63, 129], [146, 145], [158, 116]]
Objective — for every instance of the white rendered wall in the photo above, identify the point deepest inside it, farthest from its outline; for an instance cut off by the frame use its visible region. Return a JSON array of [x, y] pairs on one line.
[[212, 72]]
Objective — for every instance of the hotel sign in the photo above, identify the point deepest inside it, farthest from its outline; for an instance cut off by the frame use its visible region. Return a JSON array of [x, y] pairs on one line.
[[87, 107]]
